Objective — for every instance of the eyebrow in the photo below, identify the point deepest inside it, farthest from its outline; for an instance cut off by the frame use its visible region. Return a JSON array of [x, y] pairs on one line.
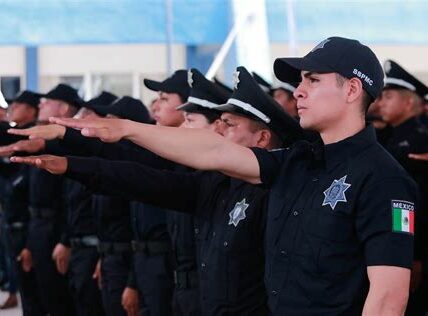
[[308, 74]]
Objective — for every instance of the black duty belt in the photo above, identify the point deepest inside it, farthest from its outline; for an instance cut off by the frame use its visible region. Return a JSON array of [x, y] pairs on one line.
[[84, 242], [186, 279], [151, 248], [42, 212], [114, 247]]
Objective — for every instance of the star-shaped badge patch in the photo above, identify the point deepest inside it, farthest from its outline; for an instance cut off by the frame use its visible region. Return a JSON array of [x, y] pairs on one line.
[[320, 45], [190, 78], [235, 79], [238, 213], [336, 192]]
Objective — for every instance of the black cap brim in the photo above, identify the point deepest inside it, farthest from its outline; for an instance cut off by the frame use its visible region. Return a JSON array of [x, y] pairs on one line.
[[288, 69], [153, 85], [230, 108], [188, 106]]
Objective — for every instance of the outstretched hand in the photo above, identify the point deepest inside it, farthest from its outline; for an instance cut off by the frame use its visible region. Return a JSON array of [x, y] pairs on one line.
[[107, 129], [423, 157], [47, 132], [28, 145], [50, 163]]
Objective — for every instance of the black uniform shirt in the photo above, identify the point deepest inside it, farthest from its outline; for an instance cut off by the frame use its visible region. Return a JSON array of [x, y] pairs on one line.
[[229, 225], [330, 216], [113, 218], [80, 215], [14, 190]]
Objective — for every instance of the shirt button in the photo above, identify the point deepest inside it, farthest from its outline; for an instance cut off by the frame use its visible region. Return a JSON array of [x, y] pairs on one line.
[[274, 292], [203, 264], [283, 252], [196, 231], [225, 244], [295, 213], [314, 179]]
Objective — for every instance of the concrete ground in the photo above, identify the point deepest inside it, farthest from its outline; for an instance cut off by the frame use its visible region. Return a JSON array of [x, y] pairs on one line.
[[9, 312]]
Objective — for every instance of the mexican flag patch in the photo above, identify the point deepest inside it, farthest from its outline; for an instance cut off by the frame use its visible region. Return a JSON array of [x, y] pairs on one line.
[[403, 216]]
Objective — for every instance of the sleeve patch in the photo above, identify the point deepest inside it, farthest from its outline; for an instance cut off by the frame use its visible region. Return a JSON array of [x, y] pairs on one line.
[[403, 216]]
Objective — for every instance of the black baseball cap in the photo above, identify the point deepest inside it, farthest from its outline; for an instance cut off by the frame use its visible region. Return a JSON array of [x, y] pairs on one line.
[[126, 108], [251, 101], [177, 83], [344, 56], [64, 93], [396, 77], [105, 98], [28, 97]]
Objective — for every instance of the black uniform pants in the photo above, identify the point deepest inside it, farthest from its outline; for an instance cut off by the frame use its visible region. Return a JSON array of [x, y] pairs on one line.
[[115, 268], [83, 287], [53, 289], [28, 288], [186, 302], [155, 283]]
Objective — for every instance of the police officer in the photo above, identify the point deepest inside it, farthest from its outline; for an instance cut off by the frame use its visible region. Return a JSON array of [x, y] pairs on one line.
[[400, 105], [173, 92], [199, 112], [327, 218], [48, 218], [230, 217], [14, 200], [152, 258], [282, 92], [81, 236]]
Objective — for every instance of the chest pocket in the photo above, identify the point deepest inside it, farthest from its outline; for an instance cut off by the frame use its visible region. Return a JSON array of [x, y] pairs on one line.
[[333, 230], [330, 225]]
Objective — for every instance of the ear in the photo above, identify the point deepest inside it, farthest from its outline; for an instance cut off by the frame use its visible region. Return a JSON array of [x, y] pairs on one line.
[[355, 90], [263, 138], [410, 103], [63, 109]]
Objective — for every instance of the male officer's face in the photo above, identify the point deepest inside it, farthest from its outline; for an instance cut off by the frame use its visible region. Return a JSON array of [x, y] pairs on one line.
[[286, 101], [85, 113], [196, 120], [165, 112], [320, 101], [51, 107], [237, 129], [392, 105], [18, 112]]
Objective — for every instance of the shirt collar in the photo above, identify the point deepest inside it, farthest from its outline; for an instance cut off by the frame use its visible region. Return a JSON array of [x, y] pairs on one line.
[[349, 147]]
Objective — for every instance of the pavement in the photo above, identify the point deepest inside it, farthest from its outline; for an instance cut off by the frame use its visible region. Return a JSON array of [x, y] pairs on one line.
[[9, 312]]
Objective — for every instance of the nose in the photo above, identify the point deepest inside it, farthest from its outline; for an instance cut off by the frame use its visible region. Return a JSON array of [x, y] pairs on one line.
[[219, 127], [299, 92]]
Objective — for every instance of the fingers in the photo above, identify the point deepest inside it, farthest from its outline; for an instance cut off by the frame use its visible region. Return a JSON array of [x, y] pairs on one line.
[[61, 265], [26, 264], [419, 156], [71, 122], [92, 132], [22, 132], [131, 310], [29, 160], [6, 151]]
